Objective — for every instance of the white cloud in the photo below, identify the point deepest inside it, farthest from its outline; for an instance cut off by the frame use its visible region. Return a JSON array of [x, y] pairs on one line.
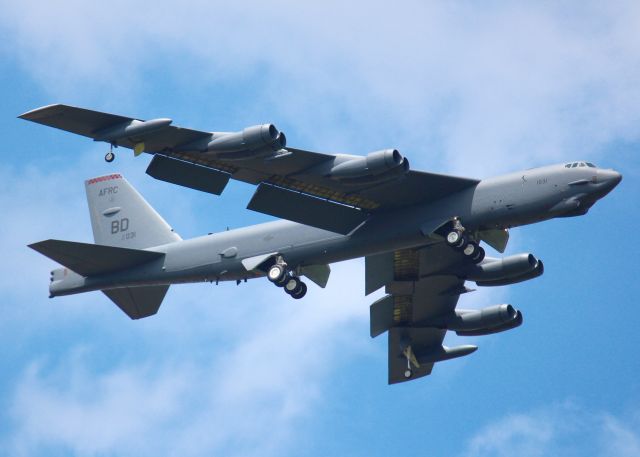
[[559, 430], [243, 396], [620, 438]]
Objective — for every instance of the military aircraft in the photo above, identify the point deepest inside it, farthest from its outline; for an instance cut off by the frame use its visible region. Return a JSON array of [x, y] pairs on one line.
[[420, 232]]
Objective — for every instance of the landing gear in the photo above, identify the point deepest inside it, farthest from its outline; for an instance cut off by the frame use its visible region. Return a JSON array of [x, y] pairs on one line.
[[474, 252], [296, 288], [280, 276], [478, 256], [408, 372], [109, 156], [470, 249], [458, 239], [455, 235], [277, 274]]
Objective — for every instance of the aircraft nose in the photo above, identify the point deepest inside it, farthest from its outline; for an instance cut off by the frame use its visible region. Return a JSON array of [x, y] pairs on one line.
[[610, 178]]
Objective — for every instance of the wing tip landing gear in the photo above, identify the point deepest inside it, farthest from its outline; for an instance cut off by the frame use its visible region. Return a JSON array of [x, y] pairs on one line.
[[110, 156]]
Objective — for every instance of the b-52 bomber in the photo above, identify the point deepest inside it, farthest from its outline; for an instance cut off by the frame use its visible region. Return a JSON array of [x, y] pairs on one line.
[[420, 232]]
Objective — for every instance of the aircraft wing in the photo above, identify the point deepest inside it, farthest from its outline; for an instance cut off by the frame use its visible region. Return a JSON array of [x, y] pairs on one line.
[[96, 125], [312, 188], [421, 286]]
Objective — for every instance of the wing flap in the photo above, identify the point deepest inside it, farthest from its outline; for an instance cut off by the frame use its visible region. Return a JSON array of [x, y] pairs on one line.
[[381, 315], [378, 271], [93, 259], [187, 174], [415, 188], [306, 209]]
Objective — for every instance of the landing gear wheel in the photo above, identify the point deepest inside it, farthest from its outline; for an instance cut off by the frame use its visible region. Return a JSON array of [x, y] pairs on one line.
[[470, 249], [464, 241], [109, 157], [291, 285], [277, 274], [407, 373], [479, 255], [300, 292], [454, 237]]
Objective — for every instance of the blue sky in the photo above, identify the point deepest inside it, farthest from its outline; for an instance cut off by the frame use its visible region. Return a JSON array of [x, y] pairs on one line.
[[243, 370]]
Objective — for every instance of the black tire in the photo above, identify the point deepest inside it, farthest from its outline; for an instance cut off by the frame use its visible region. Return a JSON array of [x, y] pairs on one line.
[[276, 274], [109, 157], [479, 256], [300, 292], [283, 281], [462, 243], [453, 237], [291, 285], [470, 250]]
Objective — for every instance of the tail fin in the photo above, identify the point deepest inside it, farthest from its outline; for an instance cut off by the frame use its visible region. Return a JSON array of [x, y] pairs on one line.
[[121, 217]]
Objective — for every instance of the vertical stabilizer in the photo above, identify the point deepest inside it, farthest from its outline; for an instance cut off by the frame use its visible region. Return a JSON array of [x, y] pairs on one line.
[[121, 217]]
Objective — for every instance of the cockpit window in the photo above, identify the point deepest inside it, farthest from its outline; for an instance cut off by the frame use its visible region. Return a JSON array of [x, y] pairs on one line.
[[580, 164]]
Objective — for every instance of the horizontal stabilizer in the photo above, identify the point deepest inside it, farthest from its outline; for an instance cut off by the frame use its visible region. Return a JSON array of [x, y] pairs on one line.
[[138, 302], [188, 174], [306, 209], [93, 259]]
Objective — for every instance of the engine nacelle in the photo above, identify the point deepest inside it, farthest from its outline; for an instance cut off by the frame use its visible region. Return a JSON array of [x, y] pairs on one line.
[[252, 142], [515, 322], [508, 270], [375, 167], [493, 316], [537, 271]]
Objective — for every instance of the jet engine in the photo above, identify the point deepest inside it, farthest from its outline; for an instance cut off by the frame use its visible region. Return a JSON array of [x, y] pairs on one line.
[[471, 319], [375, 167], [471, 322], [256, 141], [508, 270], [513, 323]]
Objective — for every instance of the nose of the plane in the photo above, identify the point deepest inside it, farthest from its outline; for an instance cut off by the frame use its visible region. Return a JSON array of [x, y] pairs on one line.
[[610, 178]]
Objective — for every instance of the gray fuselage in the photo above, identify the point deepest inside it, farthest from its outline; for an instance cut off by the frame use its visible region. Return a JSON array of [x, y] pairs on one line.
[[506, 201]]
